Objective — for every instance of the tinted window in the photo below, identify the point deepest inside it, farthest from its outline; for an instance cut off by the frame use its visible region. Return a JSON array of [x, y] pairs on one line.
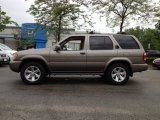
[[100, 43], [126, 42]]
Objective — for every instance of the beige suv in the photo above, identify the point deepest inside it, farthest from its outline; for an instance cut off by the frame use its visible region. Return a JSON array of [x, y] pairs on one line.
[[114, 57]]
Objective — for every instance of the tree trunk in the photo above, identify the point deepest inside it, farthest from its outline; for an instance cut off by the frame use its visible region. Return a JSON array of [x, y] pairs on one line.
[[59, 29], [121, 25]]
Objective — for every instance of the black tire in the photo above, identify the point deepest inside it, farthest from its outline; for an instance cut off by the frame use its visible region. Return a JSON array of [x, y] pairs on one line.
[[117, 79], [41, 71]]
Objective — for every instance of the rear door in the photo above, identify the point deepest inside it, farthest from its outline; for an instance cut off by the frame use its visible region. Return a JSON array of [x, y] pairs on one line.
[[100, 51]]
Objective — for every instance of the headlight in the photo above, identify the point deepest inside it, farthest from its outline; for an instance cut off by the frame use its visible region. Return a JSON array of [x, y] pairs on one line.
[[11, 53], [14, 55]]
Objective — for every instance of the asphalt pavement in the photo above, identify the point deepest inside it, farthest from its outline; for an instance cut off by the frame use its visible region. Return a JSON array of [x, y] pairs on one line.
[[79, 98]]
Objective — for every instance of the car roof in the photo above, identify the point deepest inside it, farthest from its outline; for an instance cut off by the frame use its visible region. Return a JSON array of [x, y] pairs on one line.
[[101, 34]]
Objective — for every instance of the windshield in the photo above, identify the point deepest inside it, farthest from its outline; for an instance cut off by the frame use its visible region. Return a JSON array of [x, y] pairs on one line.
[[4, 47]]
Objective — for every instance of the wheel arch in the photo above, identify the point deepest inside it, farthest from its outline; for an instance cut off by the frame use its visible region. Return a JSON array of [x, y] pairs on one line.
[[122, 61], [40, 60]]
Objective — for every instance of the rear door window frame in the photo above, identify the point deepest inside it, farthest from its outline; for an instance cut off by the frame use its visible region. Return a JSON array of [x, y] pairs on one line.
[[100, 36]]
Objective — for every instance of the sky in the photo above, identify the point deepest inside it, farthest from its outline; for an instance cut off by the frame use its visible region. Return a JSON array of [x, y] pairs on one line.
[[16, 9]]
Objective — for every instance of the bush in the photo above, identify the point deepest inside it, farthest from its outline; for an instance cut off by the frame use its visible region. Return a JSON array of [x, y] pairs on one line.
[[146, 36], [20, 45], [23, 45], [150, 60]]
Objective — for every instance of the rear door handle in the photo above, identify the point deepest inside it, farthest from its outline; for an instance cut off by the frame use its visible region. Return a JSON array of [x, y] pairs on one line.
[[82, 53]]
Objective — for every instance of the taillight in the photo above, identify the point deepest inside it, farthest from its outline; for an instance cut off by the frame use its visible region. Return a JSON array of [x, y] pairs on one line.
[[144, 56]]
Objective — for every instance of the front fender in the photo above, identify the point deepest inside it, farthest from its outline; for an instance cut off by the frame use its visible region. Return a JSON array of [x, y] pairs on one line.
[[35, 58], [38, 57]]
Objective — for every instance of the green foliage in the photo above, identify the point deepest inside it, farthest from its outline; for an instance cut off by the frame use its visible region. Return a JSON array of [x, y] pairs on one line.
[[146, 36], [4, 20], [22, 44], [157, 15], [158, 25], [119, 12], [150, 60], [56, 15], [30, 43]]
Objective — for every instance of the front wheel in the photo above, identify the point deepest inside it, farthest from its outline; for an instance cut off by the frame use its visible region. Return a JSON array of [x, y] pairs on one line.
[[32, 73], [118, 74]]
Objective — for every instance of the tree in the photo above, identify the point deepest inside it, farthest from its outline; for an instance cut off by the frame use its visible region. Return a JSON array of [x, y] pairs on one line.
[[4, 20], [118, 12], [157, 15], [56, 15], [158, 25], [146, 36]]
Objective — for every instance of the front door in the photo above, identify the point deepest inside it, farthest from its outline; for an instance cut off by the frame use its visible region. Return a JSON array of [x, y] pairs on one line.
[[71, 58]]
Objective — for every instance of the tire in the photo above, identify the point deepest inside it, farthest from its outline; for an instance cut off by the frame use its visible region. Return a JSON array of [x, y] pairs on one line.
[[32, 73], [118, 74]]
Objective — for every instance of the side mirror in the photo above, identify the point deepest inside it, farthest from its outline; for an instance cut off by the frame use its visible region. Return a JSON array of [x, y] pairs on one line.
[[57, 48]]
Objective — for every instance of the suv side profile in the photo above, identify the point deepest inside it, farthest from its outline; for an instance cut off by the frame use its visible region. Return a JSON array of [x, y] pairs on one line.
[[114, 56]]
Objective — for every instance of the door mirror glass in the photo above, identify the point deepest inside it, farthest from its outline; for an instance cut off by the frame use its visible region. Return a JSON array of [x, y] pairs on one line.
[[57, 48]]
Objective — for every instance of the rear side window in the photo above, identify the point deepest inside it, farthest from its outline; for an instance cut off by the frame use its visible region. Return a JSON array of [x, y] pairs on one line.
[[126, 42], [100, 43]]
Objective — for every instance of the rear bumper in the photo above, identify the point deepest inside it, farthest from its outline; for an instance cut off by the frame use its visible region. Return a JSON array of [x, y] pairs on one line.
[[139, 67], [15, 66]]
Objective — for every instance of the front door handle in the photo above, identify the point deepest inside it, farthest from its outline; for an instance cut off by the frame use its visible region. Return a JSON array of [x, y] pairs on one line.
[[82, 53]]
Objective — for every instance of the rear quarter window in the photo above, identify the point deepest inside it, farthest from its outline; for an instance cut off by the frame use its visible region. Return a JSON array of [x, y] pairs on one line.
[[126, 42]]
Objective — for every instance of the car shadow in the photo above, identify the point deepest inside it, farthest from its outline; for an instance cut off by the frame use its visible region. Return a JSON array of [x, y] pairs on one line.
[[77, 81], [3, 66], [83, 80], [89, 86], [73, 80]]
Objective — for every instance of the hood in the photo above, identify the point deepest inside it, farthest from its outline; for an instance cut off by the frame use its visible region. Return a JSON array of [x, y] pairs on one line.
[[1, 52], [34, 51], [10, 51]]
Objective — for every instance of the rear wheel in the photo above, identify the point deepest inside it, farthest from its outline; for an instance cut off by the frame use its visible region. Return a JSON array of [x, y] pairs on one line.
[[32, 73], [118, 74]]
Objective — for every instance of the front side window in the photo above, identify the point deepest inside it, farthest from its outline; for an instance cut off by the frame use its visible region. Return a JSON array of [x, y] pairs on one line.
[[100, 43], [126, 42], [73, 44]]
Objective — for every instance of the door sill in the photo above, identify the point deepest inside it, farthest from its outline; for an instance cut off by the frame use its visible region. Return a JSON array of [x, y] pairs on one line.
[[69, 73]]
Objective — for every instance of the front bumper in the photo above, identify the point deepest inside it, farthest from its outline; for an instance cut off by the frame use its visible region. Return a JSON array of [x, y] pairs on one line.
[[4, 60], [15, 66], [139, 67], [157, 65]]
